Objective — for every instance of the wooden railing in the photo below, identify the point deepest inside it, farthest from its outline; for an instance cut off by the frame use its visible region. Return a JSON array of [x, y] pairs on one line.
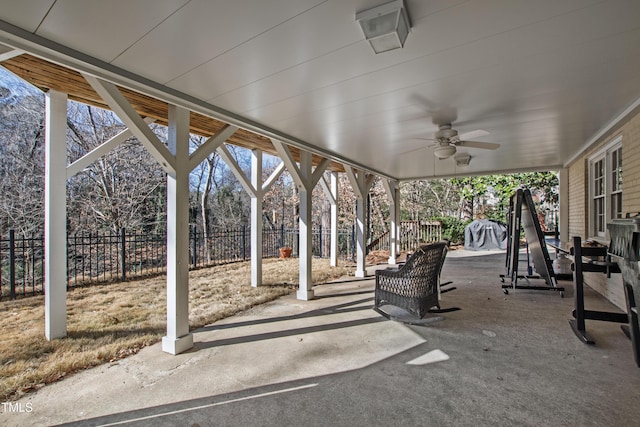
[[412, 234]]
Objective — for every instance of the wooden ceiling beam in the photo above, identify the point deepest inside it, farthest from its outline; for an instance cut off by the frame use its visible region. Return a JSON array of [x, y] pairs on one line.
[[46, 75]]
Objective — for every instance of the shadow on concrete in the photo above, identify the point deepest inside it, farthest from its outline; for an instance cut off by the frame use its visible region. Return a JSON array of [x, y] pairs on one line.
[[334, 309], [287, 332], [345, 294], [503, 360], [349, 307], [272, 404]]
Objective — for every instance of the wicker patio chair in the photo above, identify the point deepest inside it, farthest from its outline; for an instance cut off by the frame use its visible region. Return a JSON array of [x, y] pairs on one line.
[[443, 287], [414, 286]]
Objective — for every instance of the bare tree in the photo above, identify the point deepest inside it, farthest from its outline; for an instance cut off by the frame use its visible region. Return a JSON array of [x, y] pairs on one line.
[[21, 159], [203, 184], [118, 190]]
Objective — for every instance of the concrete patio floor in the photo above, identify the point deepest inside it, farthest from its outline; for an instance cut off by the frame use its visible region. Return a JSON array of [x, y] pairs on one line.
[[501, 360]]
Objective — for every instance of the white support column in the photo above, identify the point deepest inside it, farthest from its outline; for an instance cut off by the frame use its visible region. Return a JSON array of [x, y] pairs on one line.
[[392, 189], [178, 338], [256, 190], [305, 290], [563, 178], [55, 221], [361, 183], [334, 219], [361, 271], [331, 191], [256, 218], [306, 179]]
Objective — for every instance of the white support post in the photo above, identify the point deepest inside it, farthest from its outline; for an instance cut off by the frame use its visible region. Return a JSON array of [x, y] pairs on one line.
[[256, 218], [178, 338], [396, 225], [563, 178], [334, 219], [361, 271], [55, 222], [305, 178], [331, 191], [361, 183], [392, 189], [305, 290], [256, 190]]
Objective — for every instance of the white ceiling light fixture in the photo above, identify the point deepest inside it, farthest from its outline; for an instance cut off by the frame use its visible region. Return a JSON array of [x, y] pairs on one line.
[[444, 150], [446, 140], [385, 27]]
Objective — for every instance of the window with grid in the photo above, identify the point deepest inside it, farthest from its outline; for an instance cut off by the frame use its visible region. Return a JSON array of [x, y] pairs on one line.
[[605, 177], [616, 183]]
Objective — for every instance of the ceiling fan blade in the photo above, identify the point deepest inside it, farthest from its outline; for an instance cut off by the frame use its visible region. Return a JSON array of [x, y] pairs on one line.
[[425, 139], [479, 144], [474, 134]]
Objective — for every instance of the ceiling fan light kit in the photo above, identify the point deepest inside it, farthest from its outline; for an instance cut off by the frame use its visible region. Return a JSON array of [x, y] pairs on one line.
[[385, 27], [447, 139], [444, 151]]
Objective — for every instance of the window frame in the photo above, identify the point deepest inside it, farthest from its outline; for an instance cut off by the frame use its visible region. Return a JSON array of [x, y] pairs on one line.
[[601, 204]]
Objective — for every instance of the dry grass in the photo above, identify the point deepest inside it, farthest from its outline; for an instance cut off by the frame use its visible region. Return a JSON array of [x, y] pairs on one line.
[[109, 322], [382, 257]]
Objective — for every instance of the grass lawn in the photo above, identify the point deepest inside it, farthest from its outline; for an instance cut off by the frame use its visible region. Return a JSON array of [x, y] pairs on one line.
[[109, 322]]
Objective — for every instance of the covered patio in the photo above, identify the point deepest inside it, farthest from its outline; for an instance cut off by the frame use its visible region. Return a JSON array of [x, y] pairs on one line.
[[531, 85], [501, 360]]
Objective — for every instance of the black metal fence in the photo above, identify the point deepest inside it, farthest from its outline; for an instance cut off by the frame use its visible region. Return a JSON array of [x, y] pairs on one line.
[[109, 257], [22, 268]]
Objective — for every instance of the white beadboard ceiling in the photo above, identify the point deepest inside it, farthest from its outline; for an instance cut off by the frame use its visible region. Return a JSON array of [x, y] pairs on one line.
[[543, 77]]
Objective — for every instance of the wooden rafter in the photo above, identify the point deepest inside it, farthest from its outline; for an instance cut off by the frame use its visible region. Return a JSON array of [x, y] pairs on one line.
[[46, 75]]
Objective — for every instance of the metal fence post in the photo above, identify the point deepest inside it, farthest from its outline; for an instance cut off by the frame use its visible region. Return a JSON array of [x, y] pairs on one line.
[[320, 239], [32, 252], [282, 234], [353, 242], [194, 247], [244, 243], [12, 263], [123, 253]]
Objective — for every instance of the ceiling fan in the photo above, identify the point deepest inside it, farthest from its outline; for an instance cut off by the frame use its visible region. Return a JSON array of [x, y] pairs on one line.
[[447, 140]]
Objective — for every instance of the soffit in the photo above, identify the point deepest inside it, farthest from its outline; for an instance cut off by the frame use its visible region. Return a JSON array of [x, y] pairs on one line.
[[542, 77]]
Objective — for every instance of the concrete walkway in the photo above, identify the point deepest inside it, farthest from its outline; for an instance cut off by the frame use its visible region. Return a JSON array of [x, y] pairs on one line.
[[500, 360]]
